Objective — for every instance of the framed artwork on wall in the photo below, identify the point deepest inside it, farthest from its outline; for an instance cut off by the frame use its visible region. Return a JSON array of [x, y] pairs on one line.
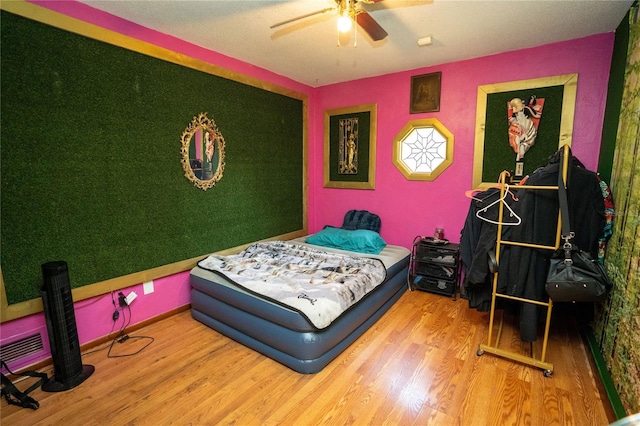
[[519, 124], [425, 93], [423, 149], [350, 147]]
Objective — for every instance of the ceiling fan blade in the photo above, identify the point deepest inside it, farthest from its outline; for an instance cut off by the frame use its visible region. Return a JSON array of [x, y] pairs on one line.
[[370, 26], [288, 21]]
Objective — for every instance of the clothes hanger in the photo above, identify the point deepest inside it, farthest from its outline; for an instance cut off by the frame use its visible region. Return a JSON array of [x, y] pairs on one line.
[[473, 192], [512, 214]]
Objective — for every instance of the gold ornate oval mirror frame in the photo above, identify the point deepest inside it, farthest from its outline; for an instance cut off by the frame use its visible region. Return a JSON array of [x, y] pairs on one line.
[[202, 152]]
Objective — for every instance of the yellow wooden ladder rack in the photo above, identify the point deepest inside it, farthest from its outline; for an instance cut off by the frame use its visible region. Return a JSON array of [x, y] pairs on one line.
[[491, 347]]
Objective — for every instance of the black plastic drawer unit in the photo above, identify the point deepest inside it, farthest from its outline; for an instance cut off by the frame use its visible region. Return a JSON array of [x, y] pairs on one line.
[[434, 266]]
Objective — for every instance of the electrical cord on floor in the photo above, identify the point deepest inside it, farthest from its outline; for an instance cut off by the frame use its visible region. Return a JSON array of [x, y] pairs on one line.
[[121, 337], [120, 312], [114, 316]]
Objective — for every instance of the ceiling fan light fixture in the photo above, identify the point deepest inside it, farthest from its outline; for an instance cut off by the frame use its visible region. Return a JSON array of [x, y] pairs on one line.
[[344, 23]]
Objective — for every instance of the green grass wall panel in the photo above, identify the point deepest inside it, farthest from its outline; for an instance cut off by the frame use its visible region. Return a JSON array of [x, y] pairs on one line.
[[90, 160]]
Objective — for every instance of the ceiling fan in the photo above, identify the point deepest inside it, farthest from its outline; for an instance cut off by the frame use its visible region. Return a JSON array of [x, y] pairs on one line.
[[349, 11]]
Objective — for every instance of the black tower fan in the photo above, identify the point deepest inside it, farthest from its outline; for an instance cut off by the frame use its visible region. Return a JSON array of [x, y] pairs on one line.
[[61, 328]]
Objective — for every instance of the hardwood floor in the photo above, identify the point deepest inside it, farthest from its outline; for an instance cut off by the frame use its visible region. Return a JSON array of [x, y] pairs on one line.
[[416, 366]]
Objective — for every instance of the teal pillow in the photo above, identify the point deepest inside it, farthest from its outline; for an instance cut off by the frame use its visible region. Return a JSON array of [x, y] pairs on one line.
[[358, 240]]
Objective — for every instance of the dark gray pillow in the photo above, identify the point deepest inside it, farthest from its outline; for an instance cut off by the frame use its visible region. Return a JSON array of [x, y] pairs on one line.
[[361, 219]]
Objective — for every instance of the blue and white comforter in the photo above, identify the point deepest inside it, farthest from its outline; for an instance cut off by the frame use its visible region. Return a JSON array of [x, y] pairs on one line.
[[318, 284]]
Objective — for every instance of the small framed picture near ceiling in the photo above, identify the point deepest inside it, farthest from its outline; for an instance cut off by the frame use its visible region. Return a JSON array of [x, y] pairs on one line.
[[425, 93], [350, 147]]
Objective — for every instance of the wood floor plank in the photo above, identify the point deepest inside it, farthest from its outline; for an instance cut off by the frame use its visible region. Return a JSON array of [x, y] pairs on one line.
[[417, 365]]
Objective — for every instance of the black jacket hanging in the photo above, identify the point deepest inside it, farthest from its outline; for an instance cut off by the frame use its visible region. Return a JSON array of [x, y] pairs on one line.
[[523, 270]]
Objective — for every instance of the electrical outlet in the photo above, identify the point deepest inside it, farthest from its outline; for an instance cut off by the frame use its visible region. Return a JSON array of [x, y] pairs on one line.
[[130, 297]]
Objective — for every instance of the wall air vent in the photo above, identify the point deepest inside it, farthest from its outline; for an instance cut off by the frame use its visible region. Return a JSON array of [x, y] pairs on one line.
[[21, 352]]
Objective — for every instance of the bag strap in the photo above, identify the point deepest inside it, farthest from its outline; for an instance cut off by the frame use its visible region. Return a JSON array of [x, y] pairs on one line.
[[566, 233], [14, 396]]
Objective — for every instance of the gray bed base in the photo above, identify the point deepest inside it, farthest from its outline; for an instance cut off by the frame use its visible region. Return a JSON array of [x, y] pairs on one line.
[[283, 334]]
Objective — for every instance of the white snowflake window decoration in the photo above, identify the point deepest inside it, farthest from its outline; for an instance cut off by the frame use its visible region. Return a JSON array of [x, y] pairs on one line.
[[423, 149]]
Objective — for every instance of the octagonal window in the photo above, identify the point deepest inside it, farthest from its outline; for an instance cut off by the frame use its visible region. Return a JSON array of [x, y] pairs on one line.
[[423, 149]]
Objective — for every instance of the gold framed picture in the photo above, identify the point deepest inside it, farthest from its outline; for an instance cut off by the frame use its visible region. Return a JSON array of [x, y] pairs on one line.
[[350, 147], [425, 93], [519, 124]]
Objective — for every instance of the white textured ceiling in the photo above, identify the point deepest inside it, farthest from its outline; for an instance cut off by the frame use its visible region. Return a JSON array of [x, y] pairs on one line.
[[307, 50]]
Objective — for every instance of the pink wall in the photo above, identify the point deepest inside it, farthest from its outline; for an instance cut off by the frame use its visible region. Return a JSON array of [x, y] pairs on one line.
[[407, 208], [410, 208]]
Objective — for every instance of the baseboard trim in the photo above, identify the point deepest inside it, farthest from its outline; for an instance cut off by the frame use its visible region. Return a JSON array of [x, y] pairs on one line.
[[108, 338], [89, 346], [603, 372]]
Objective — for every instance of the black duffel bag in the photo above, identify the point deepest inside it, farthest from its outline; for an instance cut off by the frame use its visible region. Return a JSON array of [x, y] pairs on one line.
[[576, 277]]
